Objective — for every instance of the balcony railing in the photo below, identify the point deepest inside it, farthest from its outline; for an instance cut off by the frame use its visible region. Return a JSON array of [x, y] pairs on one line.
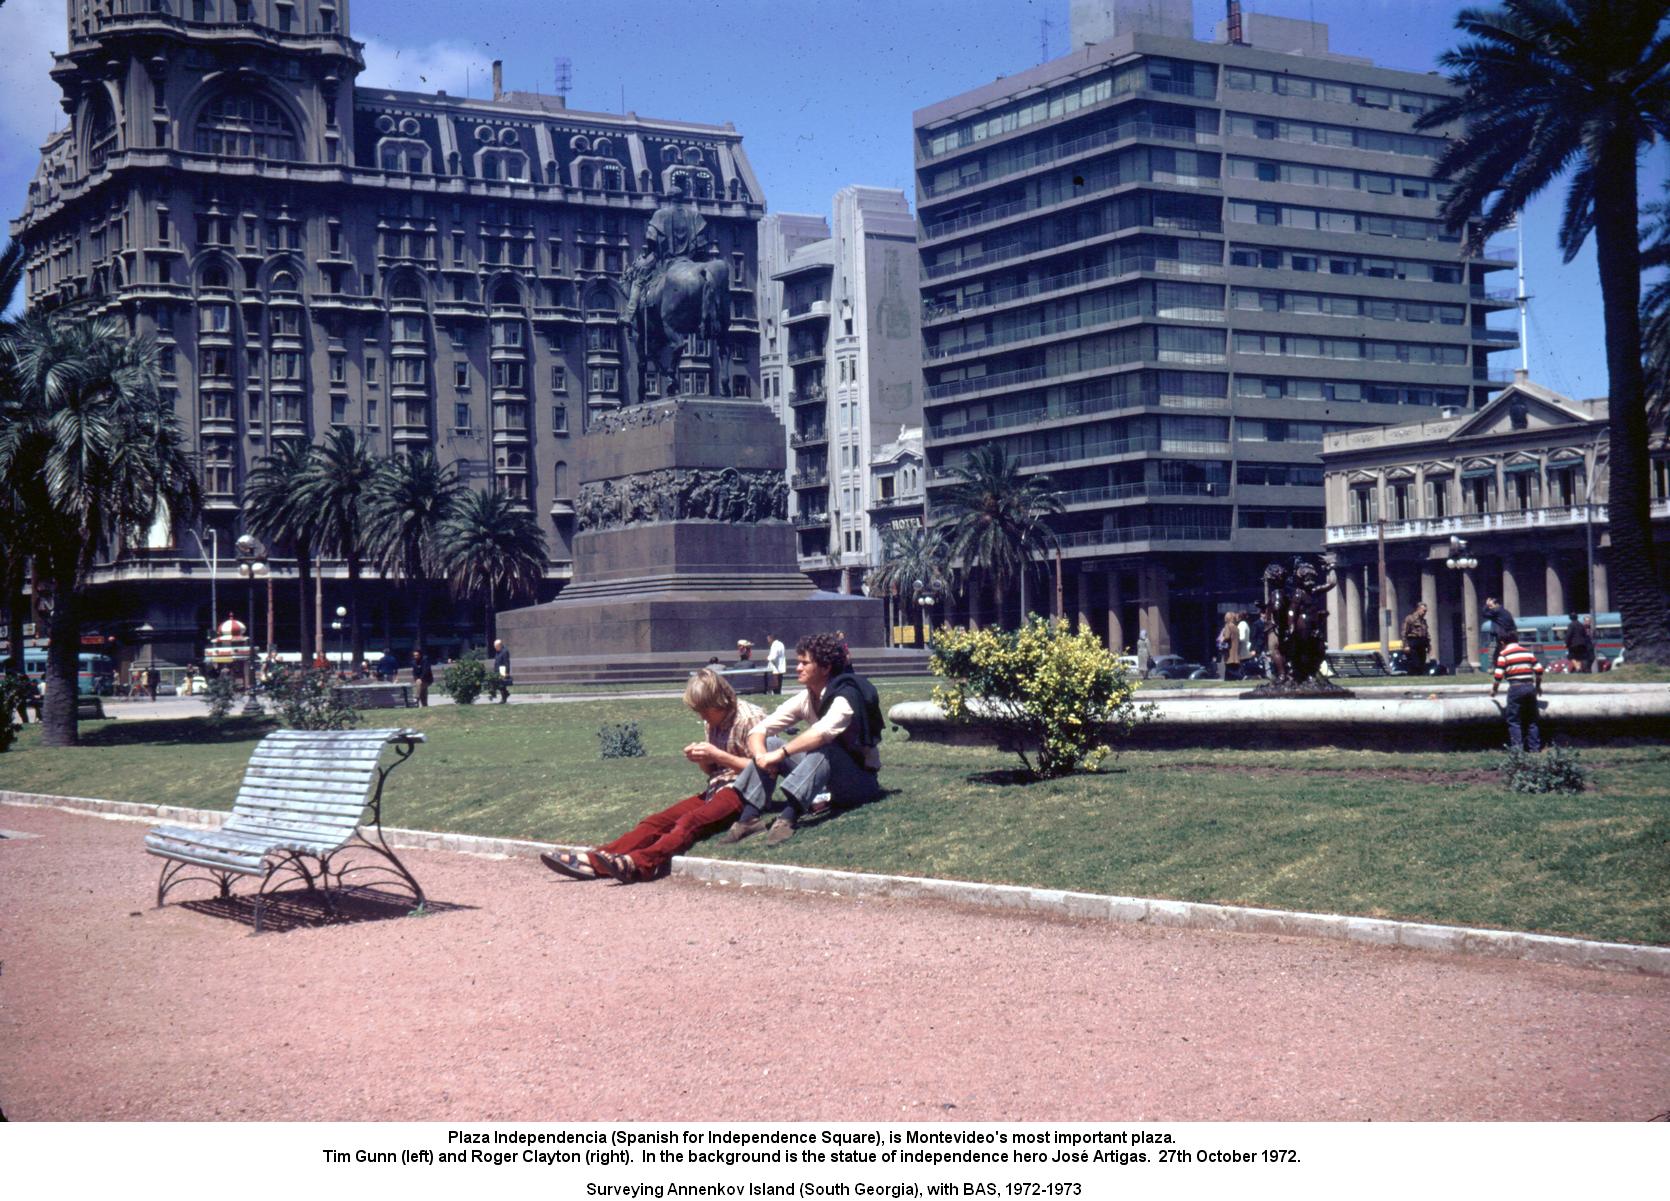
[[811, 437], [1050, 154], [1139, 534], [1096, 187], [1072, 279], [1035, 245], [811, 521], [1089, 319], [809, 479], [1082, 408], [1558, 517], [1147, 488], [1026, 375], [807, 396]]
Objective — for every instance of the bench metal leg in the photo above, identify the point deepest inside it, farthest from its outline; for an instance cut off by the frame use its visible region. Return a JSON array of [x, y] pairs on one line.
[[174, 872]]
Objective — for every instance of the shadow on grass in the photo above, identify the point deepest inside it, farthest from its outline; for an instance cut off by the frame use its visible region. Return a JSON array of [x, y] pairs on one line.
[[301, 909], [177, 731]]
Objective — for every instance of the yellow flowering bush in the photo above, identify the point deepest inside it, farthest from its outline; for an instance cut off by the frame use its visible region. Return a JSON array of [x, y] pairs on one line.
[[1044, 692]]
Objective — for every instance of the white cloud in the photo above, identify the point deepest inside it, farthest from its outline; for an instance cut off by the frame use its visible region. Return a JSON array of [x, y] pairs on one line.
[[31, 32], [448, 66]]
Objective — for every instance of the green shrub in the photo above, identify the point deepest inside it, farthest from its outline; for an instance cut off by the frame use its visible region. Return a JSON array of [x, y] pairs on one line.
[[1554, 770], [219, 693], [1041, 690], [464, 680], [620, 741], [14, 692], [306, 699]]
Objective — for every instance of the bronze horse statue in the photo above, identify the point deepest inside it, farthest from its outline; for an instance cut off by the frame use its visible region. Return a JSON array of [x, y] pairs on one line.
[[689, 297]]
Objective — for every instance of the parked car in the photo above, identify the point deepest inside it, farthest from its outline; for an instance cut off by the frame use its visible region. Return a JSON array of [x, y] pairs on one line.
[[1175, 667]]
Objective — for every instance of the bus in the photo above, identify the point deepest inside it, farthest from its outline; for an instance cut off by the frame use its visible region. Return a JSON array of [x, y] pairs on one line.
[[1547, 637], [95, 674]]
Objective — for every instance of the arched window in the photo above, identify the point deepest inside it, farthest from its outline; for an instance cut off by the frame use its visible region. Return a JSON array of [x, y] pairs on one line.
[[505, 294], [405, 287], [561, 482], [245, 125], [101, 131], [214, 276], [502, 164], [282, 281]]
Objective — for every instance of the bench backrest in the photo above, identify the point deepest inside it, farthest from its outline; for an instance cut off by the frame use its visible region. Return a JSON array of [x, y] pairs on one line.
[[310, 785]]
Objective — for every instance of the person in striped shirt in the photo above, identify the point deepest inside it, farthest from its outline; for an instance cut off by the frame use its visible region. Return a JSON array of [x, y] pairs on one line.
[[1522, 671]]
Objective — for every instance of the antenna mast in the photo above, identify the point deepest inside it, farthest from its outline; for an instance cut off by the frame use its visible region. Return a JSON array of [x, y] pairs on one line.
[[1044, 27], [1523, 299], [565, 78]]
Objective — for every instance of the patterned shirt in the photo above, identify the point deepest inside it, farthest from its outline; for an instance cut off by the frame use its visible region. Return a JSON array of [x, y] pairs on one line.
[[1517, 665], [733, 740]]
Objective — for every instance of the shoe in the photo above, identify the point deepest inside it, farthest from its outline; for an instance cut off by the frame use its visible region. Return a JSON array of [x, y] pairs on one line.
[[741, 830], [781, 831], [567, 863], [620, 867], [821, 803]]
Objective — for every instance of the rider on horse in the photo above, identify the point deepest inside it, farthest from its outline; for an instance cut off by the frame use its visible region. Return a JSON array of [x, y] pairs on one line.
[[677, 231]]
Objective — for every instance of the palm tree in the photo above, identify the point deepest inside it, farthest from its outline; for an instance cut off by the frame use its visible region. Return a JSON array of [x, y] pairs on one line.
[[995, 525], [92, 452], [491, 547], [406, 505], [333, 490], [1551, 86], [915, 562], [274, 512], [14, 554]]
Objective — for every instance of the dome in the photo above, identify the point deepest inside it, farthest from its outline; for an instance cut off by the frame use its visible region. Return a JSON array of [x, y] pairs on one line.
[[232, 630]]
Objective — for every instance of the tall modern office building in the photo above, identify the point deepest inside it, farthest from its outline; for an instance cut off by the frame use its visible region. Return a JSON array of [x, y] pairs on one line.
[[1160, 270], [841, 362], [432, 271]]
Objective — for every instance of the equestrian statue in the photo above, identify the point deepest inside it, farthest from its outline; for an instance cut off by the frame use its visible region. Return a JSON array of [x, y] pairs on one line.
[[679, 288]]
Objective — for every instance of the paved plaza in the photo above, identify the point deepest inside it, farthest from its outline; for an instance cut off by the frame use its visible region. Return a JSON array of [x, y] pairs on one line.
[[528, 997]]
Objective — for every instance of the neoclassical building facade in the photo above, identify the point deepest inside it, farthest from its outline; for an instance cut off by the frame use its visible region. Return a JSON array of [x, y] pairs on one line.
[[432, 271], [1522, 481]]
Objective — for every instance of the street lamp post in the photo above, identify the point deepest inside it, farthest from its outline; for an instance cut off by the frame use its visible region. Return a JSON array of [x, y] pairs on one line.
[[252, 566], [926, 601], [338, 625], [1460, 560]]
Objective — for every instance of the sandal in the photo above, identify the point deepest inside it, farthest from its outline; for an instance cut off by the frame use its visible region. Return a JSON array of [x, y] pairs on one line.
[[569, 863], [620, 867]]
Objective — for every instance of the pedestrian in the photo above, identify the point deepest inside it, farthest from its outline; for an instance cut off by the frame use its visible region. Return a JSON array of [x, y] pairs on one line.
[[1243, 635], [153, 681], [776, 661], [501, 670], [1229, 648], [1417, 641], [1580, 644], [744, 651], [1522, 671], [1144, 657], [422, 676]]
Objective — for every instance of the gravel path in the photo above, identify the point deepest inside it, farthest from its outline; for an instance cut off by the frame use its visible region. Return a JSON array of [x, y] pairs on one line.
[[542, 999]]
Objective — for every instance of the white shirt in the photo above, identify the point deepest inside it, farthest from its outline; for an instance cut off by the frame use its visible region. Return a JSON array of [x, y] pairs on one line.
[[799, 709], [777, 658], [1244, 636]]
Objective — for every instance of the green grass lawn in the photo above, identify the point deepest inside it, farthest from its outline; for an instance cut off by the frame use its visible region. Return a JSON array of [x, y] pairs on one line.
[[1431, 837]]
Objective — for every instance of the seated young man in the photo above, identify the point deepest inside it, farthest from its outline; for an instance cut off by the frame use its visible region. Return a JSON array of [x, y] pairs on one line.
[[642, 853], [837, 753]]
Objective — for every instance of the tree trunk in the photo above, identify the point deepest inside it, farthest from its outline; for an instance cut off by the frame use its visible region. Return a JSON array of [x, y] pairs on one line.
[[304, 585], [58, 709], [1632, 562], [16, 607], [420, 602], [356, 636]]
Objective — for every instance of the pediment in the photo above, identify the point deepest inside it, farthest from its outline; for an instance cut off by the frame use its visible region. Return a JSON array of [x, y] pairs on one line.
[[1520, 408]]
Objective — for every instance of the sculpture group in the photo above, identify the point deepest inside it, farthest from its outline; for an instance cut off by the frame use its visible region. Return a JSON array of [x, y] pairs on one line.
[[683, 494], [1296, 612]]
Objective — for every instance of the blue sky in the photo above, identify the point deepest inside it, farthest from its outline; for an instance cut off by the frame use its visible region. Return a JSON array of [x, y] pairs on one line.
[[822, 92]]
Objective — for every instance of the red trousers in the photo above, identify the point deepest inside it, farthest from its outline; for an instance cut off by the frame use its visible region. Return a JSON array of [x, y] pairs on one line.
[[660, 836]]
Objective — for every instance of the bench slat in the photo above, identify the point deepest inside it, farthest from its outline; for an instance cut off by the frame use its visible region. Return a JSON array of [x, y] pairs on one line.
[[355, 777], [326, 788], [321, 759], [207, 860], [250, 818], [250, 852], [282, 825], [257, 806], [275, 792]]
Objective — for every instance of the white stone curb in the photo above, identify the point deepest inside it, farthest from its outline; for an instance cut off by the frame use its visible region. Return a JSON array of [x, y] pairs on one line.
[[1238, 919]]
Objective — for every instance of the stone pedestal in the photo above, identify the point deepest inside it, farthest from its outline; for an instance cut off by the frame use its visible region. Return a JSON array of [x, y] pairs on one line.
[[683, 543]]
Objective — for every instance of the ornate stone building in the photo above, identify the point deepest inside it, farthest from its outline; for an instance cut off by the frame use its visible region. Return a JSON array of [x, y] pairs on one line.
[[1522, 481], [431, 271]]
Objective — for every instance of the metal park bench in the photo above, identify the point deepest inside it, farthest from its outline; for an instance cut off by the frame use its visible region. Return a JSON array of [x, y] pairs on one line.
[[303, 797], [1357, 663]]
